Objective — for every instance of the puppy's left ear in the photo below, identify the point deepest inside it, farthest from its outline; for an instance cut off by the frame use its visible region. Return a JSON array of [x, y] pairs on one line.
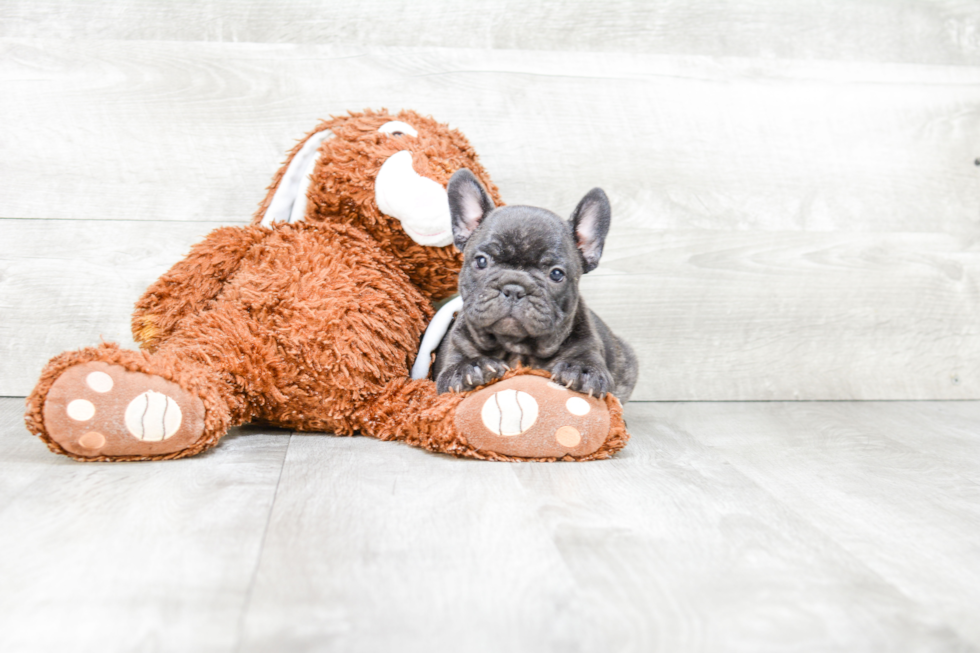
[[469, 203], [590, 224]]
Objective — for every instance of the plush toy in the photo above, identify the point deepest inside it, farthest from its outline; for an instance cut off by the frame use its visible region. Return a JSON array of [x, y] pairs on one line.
[[311, 318]]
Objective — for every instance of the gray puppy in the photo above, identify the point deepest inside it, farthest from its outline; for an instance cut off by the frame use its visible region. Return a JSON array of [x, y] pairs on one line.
[[521, 304]]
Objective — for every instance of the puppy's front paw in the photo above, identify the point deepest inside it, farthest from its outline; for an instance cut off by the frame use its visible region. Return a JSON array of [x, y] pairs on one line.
[[594, 380], [470, 374]]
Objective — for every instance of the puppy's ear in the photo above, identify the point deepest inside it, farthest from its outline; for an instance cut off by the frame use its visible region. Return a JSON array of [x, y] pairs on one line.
[[590, 224], [468, 205]]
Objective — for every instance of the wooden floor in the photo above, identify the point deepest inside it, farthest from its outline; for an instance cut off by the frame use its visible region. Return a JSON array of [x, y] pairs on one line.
[[794, 191], [837, 526], [795, 200]]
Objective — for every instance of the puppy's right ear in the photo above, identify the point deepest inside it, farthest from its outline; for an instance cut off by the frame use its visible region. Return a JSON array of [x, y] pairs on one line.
[[468, 205]]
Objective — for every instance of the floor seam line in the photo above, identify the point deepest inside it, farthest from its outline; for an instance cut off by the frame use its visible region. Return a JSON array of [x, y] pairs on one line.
[[258, 558]]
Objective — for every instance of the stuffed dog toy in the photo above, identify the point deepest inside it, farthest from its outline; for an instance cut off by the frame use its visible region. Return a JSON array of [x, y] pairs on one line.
[[310, 319]]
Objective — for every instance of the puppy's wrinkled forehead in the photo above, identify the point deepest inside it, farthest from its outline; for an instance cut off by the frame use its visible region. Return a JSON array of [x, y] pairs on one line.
[[525, 236]]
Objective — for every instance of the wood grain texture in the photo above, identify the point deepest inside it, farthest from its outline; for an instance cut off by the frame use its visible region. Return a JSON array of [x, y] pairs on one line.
[[783, 228], [127, 557], [194, 131], [71, 284], [725, 527], [697, 556], [935, 32], [712, 315], [21, 456], [887, 482], [404, 550], [665, 548], [739, 316], [795, 216]]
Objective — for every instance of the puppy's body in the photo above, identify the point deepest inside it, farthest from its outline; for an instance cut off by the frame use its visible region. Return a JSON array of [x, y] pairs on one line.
[[521, 303]]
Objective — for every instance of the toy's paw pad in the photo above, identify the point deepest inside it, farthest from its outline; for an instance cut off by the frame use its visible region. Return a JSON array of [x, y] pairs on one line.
[[531, 417], [95, 409]]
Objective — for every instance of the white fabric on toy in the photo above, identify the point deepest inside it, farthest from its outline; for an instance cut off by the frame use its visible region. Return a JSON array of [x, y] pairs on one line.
[[289, 201], [419, 203], [434, 334]]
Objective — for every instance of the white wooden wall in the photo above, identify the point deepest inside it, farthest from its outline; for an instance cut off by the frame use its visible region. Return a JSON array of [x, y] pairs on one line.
[[795, 187]]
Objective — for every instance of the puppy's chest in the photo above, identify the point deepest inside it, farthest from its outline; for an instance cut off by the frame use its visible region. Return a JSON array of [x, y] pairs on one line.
[[524, 360], [512, 352]]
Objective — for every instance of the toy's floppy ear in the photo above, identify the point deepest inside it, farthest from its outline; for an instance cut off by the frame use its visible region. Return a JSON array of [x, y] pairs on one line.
[[468, 205], [288, 203], [590, 224]]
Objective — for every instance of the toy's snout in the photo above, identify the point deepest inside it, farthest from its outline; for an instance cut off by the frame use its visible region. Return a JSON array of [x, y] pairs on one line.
[[419, 203]]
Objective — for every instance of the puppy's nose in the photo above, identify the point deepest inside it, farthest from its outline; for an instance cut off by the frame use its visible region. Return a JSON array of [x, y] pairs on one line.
[[513, 291]]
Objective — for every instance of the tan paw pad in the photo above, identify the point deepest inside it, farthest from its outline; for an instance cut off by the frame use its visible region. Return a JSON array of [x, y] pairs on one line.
[[92, 440], [509, 412], [152, 416], [531, 417], [98, 409], [80, 410], [568, 436], [99, 381]]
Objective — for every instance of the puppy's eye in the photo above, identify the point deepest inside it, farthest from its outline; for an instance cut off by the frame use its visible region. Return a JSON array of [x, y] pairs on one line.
[[557, 275], [481, 261]]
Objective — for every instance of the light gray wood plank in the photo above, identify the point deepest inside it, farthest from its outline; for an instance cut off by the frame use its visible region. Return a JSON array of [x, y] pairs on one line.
[[712, 315], [21, 455], [69, 284], [939, 32], [894, 492], [130, 556], [194, 131], [722, 527], [665, 548], [951, 429], [739, 316], [374, 546]]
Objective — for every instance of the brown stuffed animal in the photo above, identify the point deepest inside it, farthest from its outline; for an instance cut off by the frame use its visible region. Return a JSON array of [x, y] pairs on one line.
[[311, 318]]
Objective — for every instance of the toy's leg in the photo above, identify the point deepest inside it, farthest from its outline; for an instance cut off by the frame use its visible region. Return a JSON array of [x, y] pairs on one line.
[[524, 416], [105, 403], [192, 284]]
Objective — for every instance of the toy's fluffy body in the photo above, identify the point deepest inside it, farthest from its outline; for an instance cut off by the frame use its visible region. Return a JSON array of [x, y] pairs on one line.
[[310, 326]]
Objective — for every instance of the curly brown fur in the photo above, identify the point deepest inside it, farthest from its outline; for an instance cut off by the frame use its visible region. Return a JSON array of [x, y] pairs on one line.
[[413, 412], [315, 321], [192, 284], [310, 326], [342, 188]]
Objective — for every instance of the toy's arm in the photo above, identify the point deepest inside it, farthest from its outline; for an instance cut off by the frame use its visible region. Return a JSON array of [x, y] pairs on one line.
[[191, 283]]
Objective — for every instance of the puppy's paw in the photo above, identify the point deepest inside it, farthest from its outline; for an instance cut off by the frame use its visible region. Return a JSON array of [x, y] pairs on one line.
[[470, 374], [584, 377]]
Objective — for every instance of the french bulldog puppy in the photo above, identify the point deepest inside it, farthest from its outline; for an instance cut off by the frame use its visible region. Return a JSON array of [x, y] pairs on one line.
[[521, 303]]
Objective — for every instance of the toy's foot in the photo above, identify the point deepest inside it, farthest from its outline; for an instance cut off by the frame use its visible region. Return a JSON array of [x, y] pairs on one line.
[[531, 417], [97, 410]]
